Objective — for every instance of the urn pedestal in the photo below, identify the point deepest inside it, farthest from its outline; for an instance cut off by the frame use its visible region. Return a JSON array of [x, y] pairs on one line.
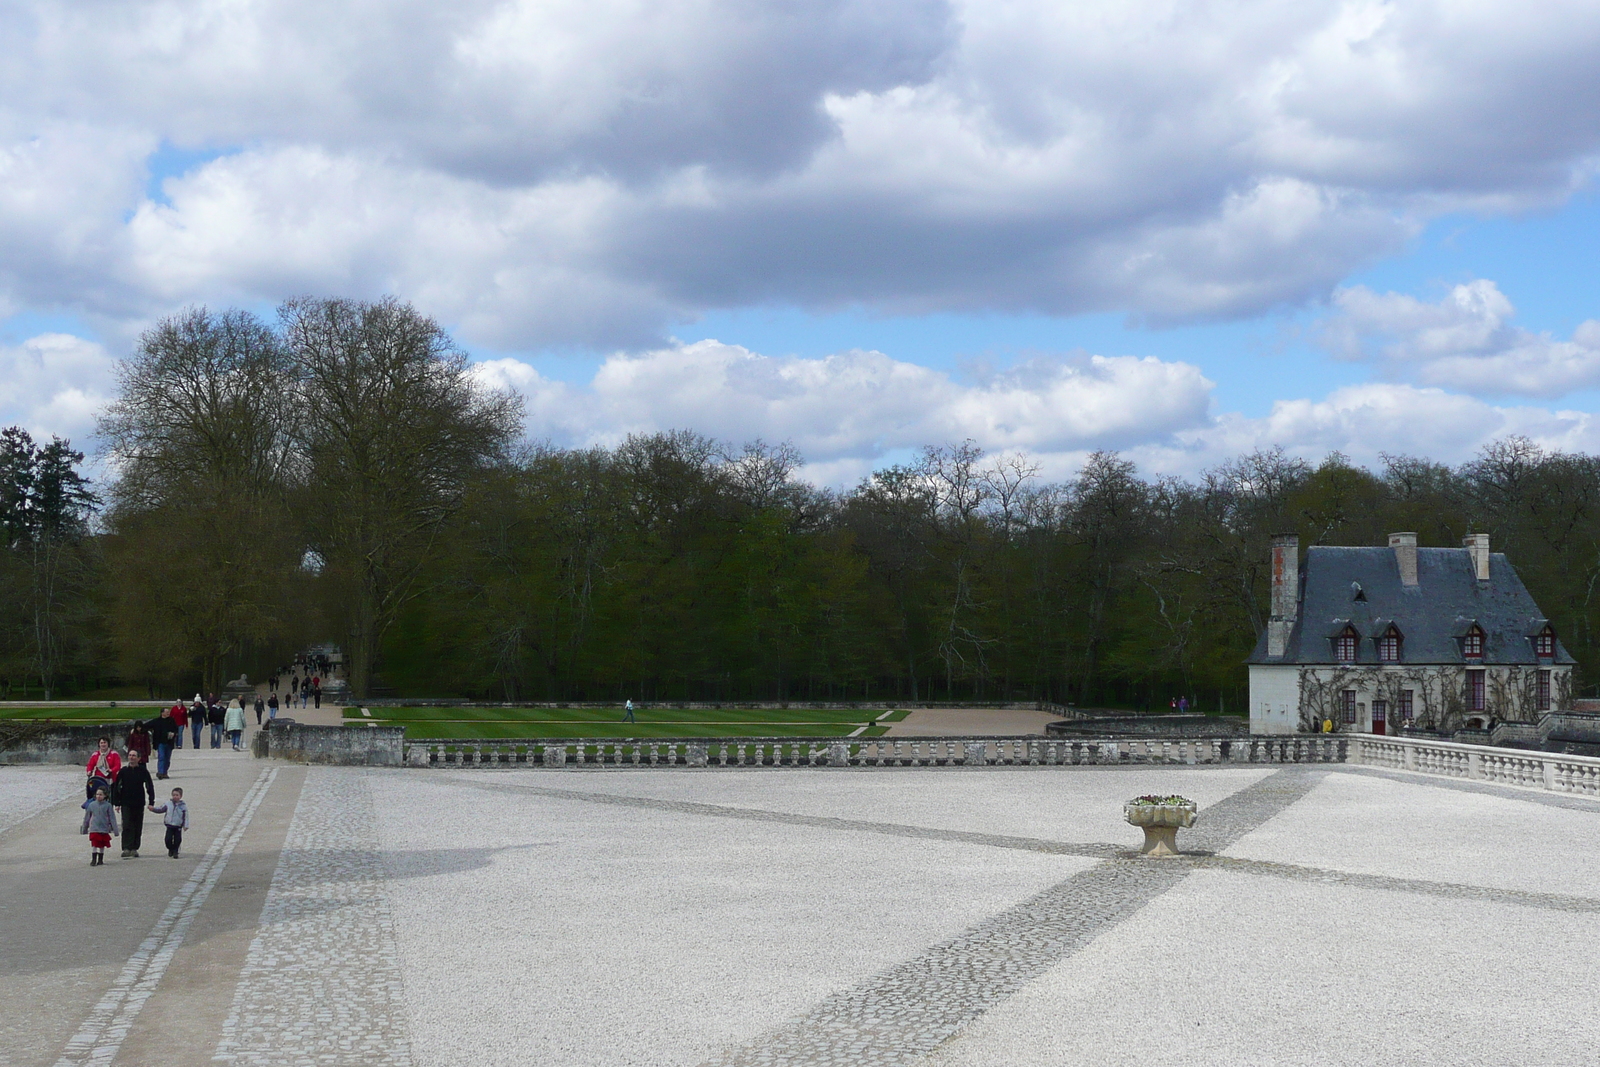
[[1161, 823]]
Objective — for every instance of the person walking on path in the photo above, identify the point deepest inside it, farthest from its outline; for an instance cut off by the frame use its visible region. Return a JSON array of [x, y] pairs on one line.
[[197, 719], [162, 731], [103, 767], [214, 716], [272, 707], [294, 689], [629, 717], [132, 786], [175, 817], [139, 741], [234, 723], [100, 823], [180, 719], [261, 706], [316, 692]]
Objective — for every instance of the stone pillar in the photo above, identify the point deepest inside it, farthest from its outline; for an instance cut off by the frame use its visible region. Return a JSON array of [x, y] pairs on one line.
[[975, 754], [417, 756], [697, 754], [839, 754], [555, 755]]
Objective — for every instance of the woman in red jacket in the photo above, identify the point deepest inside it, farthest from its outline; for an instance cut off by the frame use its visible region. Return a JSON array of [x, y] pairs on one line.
[[103, 767], [180, 717]]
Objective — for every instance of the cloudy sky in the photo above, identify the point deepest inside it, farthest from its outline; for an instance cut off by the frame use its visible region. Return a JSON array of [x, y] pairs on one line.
[[1178, 230]]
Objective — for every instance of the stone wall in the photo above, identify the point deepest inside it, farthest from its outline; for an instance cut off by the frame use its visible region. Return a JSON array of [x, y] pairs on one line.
[[1150, 726], [364, 746], [25, 741]]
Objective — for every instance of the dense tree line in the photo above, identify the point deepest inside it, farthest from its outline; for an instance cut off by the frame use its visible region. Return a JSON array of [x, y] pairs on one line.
[[340, 475]]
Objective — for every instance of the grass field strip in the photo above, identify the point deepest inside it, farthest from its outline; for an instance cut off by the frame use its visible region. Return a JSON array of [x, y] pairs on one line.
[[96, 1044]]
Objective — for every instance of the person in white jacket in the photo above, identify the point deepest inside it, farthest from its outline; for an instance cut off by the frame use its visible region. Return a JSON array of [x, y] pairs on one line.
[[233, 721]]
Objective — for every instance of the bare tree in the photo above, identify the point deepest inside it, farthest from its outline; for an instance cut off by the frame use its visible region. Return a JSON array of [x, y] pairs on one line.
[[396, 426]]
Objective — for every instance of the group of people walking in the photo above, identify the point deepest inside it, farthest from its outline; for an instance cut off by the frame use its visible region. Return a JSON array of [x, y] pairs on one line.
[[121, 784], [307, 690]]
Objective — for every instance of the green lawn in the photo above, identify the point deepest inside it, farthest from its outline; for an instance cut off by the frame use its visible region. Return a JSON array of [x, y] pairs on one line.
[[88, 715], [485, 723]]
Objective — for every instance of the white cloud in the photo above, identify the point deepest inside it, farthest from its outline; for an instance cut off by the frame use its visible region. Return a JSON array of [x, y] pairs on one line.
[[857, 406], [855, 411], [544, 172], [1463, 342], [55, 384]]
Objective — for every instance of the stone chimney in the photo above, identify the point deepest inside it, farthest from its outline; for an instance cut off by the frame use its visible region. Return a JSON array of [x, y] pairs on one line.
[[1285, 592], [1477, 546], [1405, 554]]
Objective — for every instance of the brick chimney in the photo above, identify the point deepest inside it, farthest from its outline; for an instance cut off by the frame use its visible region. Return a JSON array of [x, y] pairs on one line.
[[1405, 554], [1285, 592], [1477, 546]]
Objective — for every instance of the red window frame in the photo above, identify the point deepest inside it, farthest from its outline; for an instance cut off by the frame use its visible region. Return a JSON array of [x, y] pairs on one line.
[[1472, 644], [1545, 643], [1541, 694], [1476, 690], [1344, 647], [1347, 698], [1389, 646], [1405, 705]]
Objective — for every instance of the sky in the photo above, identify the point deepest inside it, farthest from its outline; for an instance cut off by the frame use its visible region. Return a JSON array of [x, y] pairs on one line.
[[1177, 230]]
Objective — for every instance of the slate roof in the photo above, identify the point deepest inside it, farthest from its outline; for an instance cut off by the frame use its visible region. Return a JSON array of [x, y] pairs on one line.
[[1431, 615]]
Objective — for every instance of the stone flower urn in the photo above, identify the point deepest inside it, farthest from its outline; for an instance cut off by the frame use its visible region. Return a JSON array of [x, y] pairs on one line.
[[1160, 818]]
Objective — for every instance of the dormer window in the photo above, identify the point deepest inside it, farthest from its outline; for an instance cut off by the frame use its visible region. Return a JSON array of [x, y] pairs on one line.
[[1472, 643], [1544, 643], [1389, 646], [1344, 646]]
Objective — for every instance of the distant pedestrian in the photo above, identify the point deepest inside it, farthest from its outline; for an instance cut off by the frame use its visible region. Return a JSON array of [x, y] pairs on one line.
[[100, 823], [214, 717], [175, 817], [234, 723], [1183, 705], [272, 707], [294, 686], [139, 741], [629, 717], [261, 706], [272, 683], [197, 719], [132, 786], [103, 767], [180, 719], [316, 693], [162, 731]]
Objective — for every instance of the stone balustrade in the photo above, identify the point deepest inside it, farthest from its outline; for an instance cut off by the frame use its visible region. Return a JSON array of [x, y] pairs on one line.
[[875, 752], [1504, 766]]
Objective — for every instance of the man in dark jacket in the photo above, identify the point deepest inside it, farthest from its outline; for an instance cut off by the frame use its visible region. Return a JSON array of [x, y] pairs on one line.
[[214, 716], [134, 790], [163, 733]]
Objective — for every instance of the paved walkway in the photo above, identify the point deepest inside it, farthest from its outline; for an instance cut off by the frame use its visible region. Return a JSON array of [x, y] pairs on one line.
[[970, 722], [948, 917]]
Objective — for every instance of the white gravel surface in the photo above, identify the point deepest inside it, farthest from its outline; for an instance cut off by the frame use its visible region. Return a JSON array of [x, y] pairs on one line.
[[1235, 969], [534, 929], [1413, 829], [1081, 805], [26, 791]]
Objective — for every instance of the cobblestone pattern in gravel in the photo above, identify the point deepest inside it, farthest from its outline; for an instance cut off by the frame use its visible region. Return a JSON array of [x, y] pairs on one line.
[[910, 1010], [824, 822], [321, 983]]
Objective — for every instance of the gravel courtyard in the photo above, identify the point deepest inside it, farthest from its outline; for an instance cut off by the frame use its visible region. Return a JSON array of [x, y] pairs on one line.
[[937, 916]]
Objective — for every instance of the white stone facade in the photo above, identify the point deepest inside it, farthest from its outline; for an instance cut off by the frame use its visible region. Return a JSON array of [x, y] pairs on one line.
[[1293, 698]]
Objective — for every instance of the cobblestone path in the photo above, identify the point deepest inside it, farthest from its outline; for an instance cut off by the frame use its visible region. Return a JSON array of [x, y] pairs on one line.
[[321, 984], [904, 1013]]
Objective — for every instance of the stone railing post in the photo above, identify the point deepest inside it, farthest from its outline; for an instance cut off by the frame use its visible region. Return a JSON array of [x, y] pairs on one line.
[[417, 756], [1474, 765], [839, 754], [555, 755], [697, 754], [975, 753]]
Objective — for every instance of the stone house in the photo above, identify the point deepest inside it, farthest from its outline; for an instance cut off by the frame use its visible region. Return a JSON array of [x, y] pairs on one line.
[[1376, 639]]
